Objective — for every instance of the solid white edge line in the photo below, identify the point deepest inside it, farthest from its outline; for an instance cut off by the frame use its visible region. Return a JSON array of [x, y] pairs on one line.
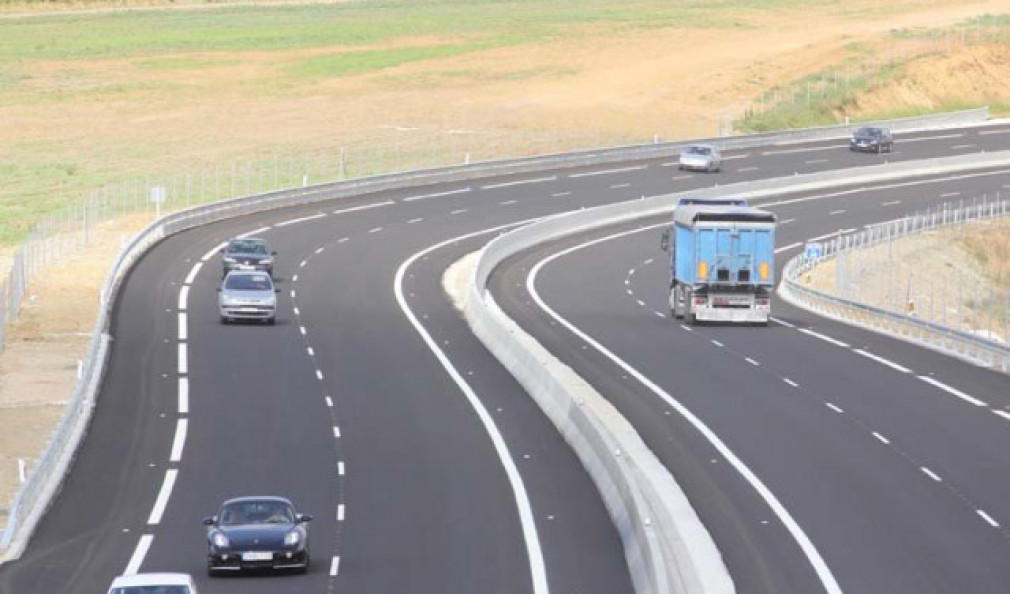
[[519, 182], [987, 518], [183, 395], [953, 391], [300, 220], [527, 519], [251, 233], [1002, 413], [818, 563], [340, 512], [163, 494], [364, 207], [335, 567], [882, 361], [828, 339], [184, 298], [436, 195], [138, 554], [179, 441], [193, 272], [607, 171], [183, 359], [881, 438], [214, 251], [786, 248], [931, 474], [183, 334]]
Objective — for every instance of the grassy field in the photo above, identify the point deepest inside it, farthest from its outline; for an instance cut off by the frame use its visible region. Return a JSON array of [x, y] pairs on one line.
[[91, 98]]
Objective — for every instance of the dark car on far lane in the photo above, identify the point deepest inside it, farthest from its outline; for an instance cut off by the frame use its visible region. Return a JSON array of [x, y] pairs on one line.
[[874, 140], [257, 533]]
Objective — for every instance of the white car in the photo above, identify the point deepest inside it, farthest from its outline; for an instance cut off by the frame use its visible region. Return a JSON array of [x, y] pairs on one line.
[[153, 583], [700, 157]]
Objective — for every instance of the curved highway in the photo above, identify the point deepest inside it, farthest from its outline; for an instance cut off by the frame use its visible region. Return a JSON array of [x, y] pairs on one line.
[[429, 470]]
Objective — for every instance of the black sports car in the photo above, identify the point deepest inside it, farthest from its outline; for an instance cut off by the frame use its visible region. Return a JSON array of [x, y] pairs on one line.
[[257, 533], [877, 140]]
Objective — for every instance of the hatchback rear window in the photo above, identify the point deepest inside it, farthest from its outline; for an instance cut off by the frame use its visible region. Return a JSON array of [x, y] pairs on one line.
[[248, 282]]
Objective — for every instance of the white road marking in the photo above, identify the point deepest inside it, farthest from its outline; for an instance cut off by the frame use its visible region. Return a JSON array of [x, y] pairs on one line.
[[607, 171], [988, 132], [303, 263], [560, 194], [319, 374], [648, 261], [335, 567], [302, 330], [300, 220], [458, 211], [660, 314], [782, 322], [882, 439], [329, 402], [824, 338], [816, 161], [182, 326], [891, 203], [717, 343], [293, 293], [375, 230], [836, 212], [251, 233], [787, 221], [343, 240], [641, 303], [817, 562], [631, 272], [340, 512], [1002, 413], [883, 361], [686, 327], [958, 147], [163, 494], [437, 194], [790, 382], [832, 234], [833, 407], [183, 359], [320, 250], [363, 207], [508, 202], [619, 186], [192, 273], [987, 518], [179, 442], [937, 137], [752, 362], [297, 312], [681, 177], [340, 468], [138, 554], [294, 278], [731, 157], [417, 220], [311, 352], [805, 150], [955, 392], [629, 291], [183, 395], [931, 474], [950, 194], [336, 431], [747, 169], [519, 182], [184, 298], [786, 248], [213, 251]]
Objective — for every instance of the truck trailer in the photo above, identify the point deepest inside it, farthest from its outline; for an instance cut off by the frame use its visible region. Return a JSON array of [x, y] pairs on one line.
[[721, 262]]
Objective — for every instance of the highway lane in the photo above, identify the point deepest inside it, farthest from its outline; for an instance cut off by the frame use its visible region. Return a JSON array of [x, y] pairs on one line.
[[859, 451], [95, 525]]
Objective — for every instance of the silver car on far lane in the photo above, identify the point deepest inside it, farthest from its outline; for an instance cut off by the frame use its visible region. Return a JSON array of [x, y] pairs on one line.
[[247, 295], [700, 157]]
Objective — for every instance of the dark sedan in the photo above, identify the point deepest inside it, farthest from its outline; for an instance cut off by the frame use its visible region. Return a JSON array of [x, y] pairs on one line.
[[876, 140], [247, 254], [257, 533]]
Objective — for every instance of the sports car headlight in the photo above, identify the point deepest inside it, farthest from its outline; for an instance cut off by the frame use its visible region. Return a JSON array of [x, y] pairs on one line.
[[219, 540], [292, 538]]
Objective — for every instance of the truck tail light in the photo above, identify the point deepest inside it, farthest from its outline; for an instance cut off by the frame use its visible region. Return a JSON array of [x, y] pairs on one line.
[[764, 270], [702, 269]]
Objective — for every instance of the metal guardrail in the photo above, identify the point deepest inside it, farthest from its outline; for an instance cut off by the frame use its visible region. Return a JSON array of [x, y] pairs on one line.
[[965, 345], [46, 476]]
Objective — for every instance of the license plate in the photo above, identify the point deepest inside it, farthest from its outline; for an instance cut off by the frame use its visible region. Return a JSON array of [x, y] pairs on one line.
[[257, 556], [246, 267]]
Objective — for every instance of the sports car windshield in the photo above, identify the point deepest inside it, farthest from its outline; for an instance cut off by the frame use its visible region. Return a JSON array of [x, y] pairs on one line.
[[256, 512], [248, 282], [247, 247]]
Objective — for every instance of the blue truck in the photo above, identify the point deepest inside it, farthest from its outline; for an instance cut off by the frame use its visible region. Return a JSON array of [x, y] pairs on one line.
[[722, 261]]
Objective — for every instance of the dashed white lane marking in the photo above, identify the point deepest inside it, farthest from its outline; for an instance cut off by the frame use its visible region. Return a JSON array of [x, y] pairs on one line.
[[183, 359], [828, 339], [302, 330], [815, 161], [836, 212], [881, 438], [790, 382], [296, 310], [364, 207], [681, 177], [1002, 413], [648, 261], [335, 567], [931, 474], [293, 294], [732, 157], [319, 374], [883, 361], [805, 150], [417, 220], [950, 194], [138, 554], [519, 182], [213, 251], [686, 327], [747, 169], [192, 273], [752, 362], [303, 263], [782, 323], [660, 314], [183, 395], [163, 494], [607, 171], [619, 186], [629, 292], [340, 468], [786, 248], [319, 250], [179, 442], [343, 240], [787, 221], [375, 230], [182, 326], [717, 343], [627, 282], [294, 278], [340, 512], [935, 137], [953, 391], [508, 202], [891, 203], [958, 147], [631, 272], [458, 211], [437, 194], [987, 518], [641, 303], [329, 402], [834, 407], [988, 132], [336, 432], [300, 220], [184, 298], [560, 194], [251, 233], [311, 352]]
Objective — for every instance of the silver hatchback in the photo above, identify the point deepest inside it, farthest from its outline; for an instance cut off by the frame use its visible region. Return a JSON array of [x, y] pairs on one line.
[[700, 157], [247, 295]]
